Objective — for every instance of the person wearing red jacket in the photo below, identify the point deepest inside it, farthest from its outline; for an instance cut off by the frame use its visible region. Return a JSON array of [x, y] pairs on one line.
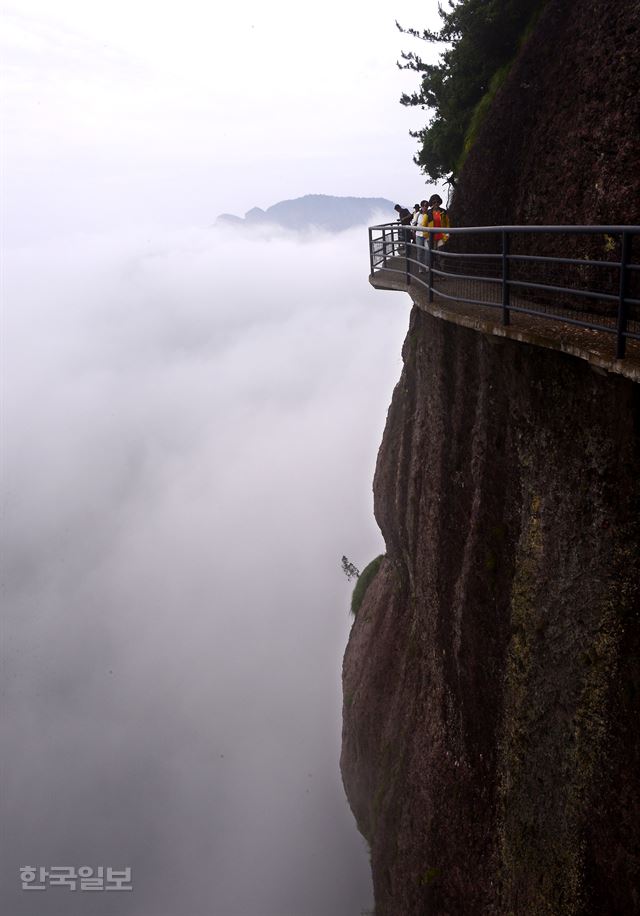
[[437, 217]]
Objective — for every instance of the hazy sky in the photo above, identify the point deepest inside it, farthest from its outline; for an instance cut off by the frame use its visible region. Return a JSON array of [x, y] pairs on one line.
[[132, 111], [189, 426]]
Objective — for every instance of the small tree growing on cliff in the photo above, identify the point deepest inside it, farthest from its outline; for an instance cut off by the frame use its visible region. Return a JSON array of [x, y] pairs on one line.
[[348, 568]]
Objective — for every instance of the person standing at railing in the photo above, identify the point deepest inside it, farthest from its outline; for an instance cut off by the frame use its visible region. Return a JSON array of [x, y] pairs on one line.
[[438, 218], [422, 238], [412, 234], [404, 218]]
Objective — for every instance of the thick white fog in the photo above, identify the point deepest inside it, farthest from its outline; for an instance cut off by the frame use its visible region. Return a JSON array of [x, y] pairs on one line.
[[190, 422], [190, 427]]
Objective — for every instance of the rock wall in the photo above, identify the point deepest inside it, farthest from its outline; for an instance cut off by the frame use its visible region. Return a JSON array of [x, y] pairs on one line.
[[491, 740], [561, 143]]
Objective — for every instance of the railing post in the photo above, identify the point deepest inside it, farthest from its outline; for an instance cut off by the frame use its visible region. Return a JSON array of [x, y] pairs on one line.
[[384, 247], [621, 340], [371, 250], [407, 252], [430, 256], [505, 277]]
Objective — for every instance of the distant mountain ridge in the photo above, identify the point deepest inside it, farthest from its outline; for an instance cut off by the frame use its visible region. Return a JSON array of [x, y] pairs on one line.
[[333, 214]]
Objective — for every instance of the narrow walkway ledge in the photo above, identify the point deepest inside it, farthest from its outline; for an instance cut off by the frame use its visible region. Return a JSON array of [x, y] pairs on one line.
[[595, 347]]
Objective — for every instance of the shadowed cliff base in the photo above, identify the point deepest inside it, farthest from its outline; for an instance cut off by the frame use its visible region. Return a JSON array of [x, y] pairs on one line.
[[491, 741]]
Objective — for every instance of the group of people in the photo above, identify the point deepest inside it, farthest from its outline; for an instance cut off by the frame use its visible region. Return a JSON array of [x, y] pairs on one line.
[[428, 214]]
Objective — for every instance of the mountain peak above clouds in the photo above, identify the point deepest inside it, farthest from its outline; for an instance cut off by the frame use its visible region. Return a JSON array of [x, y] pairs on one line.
[[321, 211]]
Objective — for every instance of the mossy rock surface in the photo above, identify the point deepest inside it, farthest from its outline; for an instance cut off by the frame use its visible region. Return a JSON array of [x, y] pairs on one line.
[[365, 579]]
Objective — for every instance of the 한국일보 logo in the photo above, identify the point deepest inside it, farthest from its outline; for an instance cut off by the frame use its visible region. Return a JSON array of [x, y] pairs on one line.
[[84, 878]]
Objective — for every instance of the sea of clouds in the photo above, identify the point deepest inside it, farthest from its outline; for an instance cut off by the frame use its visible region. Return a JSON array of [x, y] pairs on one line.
[[190, 422]]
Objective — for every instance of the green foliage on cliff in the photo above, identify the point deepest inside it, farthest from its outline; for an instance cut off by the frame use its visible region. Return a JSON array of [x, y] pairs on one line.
[[365, 579], [482, 37]]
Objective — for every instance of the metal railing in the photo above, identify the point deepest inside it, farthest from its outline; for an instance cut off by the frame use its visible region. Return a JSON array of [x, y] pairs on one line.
[[597, 286]]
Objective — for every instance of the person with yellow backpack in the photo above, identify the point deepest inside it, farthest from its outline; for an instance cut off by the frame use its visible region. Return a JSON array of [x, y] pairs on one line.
[[437, 217], [432, 216]]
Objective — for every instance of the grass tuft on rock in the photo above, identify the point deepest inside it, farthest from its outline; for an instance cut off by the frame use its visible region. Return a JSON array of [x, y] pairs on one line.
[[365, 579]]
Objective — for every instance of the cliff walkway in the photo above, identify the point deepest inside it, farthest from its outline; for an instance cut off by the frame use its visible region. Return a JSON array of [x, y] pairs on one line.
[[570, 288]]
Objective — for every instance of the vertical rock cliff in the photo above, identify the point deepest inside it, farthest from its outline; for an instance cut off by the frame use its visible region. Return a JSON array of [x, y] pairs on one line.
[[561, 142], [491, 742]]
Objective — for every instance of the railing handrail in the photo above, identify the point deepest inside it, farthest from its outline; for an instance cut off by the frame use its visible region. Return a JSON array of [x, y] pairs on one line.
[[406, 240], [586, 230]]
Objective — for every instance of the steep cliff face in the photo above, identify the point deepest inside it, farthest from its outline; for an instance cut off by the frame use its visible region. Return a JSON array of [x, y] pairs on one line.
[[561, 141], [491, 738]]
